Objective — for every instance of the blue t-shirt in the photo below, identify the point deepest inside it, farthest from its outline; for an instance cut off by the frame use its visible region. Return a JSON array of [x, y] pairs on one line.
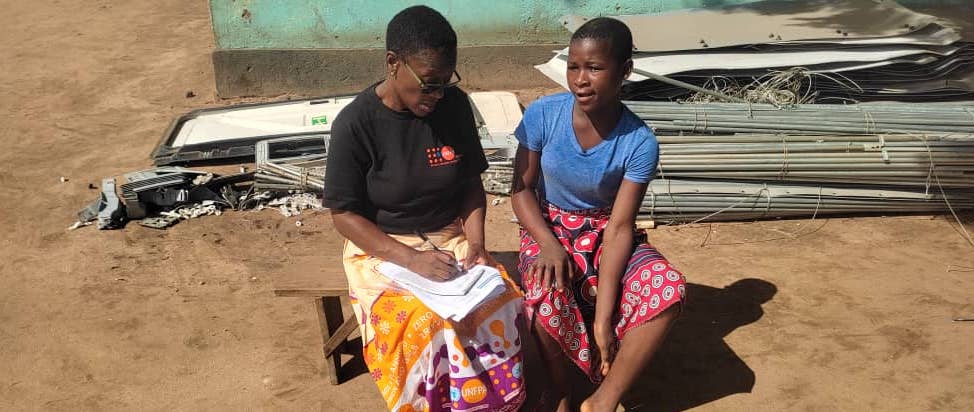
[[576, 179]]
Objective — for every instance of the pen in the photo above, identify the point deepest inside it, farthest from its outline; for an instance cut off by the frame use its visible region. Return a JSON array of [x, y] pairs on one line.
[[433, 245], [427, 240]]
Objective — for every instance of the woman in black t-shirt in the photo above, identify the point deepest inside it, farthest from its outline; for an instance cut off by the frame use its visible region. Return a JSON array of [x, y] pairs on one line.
[[403, 183]]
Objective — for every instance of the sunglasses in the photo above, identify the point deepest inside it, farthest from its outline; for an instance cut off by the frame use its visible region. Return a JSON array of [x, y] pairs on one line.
[[429, 88]]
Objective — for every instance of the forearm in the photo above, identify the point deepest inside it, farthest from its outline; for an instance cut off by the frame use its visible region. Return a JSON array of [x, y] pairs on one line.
[[616, 251], [617, 246], [473, 211], [527, 208], [524, 197], [367, 236]]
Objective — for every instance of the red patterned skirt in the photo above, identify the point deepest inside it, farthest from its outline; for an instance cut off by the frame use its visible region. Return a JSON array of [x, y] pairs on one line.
[[649, 285]]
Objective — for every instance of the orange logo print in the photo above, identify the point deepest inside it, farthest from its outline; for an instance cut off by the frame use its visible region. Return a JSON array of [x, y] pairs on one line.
[[441, 156], [460, 352], [497, 328], [473, 391], [448, 153]]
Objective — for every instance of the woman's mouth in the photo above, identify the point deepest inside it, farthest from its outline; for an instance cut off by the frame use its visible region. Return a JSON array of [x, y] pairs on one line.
[[426, 108], [584, 98]]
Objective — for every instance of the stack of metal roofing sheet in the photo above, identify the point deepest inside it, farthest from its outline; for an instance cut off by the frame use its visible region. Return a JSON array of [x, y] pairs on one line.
[[291, 163], [807, 119], [900, 160], [926, 77], [738, 160], [859, 50], [684, 201], [899, 157]]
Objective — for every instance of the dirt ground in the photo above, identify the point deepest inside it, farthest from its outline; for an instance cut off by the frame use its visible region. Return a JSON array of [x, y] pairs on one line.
[[830, 314]]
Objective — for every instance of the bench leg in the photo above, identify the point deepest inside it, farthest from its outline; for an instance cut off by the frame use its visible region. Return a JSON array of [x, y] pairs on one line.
[[330, 319]]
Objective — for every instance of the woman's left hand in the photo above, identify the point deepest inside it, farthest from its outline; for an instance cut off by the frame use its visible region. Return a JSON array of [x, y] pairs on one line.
[[476, 255]]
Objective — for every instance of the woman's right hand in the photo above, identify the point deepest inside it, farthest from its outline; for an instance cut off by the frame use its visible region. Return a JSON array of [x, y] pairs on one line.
[[433, 264], [552, 267]]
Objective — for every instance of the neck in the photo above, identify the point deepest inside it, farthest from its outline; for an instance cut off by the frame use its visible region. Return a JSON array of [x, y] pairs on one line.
[[388, 96], [604, 119]]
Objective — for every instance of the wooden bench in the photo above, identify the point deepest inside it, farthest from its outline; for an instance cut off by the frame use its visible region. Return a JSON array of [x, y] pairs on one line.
[[326, 289]]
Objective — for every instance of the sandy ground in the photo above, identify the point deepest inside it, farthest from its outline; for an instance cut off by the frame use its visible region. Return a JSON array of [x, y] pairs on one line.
[[831, 314]]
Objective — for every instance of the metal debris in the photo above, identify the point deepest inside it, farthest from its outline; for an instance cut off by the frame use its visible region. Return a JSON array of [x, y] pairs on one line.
[[90, 213], [160, 222], [141, 184], [163, 196], [292, 205], [205, 208], [111, 215], [79, 224], [204, 179]]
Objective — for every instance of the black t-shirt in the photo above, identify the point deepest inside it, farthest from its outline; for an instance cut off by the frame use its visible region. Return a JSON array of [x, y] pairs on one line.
[[402, 172]]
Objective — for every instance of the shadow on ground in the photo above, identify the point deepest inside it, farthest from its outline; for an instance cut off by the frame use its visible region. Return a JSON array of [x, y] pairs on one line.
[[356, 366], [695, 366]]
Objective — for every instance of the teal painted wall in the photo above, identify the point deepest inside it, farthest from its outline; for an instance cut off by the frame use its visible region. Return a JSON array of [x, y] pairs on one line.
[[288, 24], [361, 23]]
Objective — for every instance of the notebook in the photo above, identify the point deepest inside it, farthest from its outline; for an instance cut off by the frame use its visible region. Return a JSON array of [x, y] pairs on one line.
[[453, 299]]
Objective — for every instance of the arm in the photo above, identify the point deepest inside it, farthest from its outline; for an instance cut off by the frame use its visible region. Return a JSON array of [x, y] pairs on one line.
[[552, 264], [617, 239], [617, 248], [473, 211], [367, 236], [616, 251]]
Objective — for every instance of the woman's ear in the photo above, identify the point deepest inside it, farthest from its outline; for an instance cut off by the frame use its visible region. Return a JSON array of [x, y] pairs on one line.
[[392, 63], [626, 69]]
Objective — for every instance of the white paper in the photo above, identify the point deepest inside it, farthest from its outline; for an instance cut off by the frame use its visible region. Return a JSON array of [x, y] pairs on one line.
[[458, 286], [453, 299]]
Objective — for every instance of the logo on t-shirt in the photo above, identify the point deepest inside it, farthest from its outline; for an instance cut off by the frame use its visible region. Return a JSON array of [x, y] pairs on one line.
[[441, 156]]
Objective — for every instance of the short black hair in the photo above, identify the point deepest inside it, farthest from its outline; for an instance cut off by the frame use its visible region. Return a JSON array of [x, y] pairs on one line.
[[611, 30], [420, 28]]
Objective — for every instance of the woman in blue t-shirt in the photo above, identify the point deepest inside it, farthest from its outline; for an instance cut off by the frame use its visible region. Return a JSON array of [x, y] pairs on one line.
[[581, 171]]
